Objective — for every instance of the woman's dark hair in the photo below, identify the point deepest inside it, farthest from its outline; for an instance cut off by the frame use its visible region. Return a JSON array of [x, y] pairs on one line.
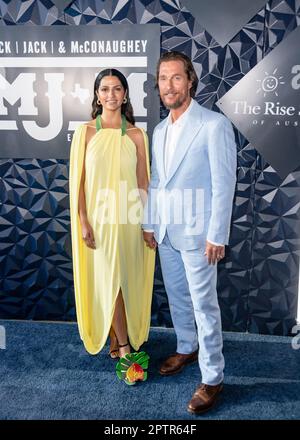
[[188, 67], [126, 109]]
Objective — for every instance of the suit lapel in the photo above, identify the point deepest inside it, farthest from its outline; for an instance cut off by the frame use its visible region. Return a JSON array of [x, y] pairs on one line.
[[160, 138], [190, 130]]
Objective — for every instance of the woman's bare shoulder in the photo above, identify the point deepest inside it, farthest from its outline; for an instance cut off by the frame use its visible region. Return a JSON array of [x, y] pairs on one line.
[[136, 134], [133, 128], [91, 123]]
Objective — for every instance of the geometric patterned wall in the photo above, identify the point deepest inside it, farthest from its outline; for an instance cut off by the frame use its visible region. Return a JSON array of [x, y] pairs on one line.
[[258, 279]]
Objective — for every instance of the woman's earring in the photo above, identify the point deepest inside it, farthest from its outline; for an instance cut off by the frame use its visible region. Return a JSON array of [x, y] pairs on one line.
[[98, 102], [125, 100]]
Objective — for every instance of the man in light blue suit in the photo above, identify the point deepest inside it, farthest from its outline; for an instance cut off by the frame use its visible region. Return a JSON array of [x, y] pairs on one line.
[[188, 214]]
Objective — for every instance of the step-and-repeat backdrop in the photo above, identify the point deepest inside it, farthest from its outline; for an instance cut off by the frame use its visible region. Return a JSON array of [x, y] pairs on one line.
[[246, 58]]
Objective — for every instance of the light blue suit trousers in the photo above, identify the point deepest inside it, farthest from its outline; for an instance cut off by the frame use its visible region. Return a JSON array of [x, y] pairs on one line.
[[194, 307]]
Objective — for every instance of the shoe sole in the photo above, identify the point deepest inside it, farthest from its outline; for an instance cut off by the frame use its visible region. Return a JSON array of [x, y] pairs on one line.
[[206, 409], [171, 373]]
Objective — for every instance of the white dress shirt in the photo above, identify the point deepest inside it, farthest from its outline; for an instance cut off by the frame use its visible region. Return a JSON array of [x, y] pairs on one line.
[[173, 135]]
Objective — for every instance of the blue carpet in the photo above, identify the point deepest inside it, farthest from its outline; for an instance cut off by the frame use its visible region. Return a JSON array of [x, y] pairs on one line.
[[47, 374]]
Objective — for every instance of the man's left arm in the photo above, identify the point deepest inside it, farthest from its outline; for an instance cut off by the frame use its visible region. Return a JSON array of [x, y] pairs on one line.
[[223, 161]]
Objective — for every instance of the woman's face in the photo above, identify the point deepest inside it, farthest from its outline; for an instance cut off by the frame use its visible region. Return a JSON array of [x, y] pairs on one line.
[[111, 93]]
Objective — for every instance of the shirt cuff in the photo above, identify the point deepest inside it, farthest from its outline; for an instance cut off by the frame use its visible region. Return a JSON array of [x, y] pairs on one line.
[[216, 244], [148, 230]]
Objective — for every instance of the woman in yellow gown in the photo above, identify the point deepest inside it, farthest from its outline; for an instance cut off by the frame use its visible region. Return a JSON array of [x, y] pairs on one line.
[[112, 267]]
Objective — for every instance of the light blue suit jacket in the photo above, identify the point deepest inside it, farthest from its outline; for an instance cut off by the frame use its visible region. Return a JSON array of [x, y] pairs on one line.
[[193, 203]]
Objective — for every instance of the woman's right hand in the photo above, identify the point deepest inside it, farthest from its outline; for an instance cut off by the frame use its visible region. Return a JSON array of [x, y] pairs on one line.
[[88, 234]]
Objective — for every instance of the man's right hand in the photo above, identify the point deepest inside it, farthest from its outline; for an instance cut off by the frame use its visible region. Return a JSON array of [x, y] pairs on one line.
[[150, 240], [88, 234]]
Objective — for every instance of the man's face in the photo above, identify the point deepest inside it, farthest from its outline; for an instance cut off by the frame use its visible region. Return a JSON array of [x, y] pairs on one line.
[[173, 83]]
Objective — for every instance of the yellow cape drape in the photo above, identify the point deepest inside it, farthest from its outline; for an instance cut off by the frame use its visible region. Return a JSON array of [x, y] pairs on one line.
[[121, 258]]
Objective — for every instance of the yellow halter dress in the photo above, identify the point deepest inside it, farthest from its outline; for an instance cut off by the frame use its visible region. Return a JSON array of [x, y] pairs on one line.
[[121, 259]]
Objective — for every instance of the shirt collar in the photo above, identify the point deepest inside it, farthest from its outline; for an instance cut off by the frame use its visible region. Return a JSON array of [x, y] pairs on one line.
[[182, 118]]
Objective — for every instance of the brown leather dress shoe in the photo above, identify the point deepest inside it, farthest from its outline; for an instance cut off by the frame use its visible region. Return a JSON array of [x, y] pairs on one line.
[[176, 362], [204, 398]]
